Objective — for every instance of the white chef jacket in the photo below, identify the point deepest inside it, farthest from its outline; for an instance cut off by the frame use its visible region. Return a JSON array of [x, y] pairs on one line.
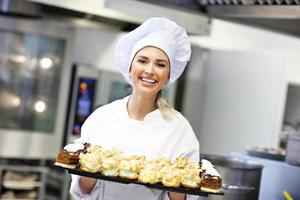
[[111, 127]]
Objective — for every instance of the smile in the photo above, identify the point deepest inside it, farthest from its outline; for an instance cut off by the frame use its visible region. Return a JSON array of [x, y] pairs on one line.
[[147, 80]]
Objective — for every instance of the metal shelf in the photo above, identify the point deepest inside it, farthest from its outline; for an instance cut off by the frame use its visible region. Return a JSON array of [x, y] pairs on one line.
[[46, 177]]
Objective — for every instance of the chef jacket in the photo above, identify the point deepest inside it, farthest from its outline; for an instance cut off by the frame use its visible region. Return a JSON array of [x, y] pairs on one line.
[[111, 127]]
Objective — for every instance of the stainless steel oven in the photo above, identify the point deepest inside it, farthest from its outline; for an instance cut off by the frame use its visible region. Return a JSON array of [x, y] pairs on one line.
[[34, 79]]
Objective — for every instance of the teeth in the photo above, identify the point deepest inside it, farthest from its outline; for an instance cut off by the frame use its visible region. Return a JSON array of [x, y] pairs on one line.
[[148, 80]]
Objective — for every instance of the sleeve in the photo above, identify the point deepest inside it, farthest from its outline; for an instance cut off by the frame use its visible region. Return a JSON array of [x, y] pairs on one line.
[[190, 148], [76, 193], [189, 145], [75, 190]]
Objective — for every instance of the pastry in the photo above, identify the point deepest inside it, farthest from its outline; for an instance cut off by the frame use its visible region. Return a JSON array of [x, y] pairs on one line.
[[110, 166], [90, 162], [150, 174], [68, 157], [131, 166], [191, 178], [181, 162], [172, 178], [211, 179], [85, 143]]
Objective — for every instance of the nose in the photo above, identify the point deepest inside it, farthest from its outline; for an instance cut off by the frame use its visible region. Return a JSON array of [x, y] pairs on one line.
[[149, 68]]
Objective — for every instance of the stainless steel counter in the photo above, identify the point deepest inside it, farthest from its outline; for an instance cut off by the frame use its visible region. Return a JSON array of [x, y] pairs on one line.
[[277, 176]]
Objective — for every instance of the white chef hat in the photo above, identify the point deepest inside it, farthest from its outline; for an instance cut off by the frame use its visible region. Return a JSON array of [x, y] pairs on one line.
[[158, 32]]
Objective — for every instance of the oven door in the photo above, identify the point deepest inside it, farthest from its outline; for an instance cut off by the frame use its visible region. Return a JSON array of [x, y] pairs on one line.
[[34, 80]]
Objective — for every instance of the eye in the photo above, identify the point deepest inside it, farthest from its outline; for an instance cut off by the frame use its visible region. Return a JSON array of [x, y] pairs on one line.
[[161, 65], [142, 61]]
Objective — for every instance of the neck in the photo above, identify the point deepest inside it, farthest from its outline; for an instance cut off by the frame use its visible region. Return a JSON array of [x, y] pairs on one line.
[[140, 105]]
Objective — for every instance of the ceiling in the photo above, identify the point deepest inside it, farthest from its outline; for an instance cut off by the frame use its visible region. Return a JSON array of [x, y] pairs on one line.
[[193, 15]]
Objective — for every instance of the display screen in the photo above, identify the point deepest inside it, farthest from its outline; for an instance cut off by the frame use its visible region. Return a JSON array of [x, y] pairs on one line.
[[84, 102]]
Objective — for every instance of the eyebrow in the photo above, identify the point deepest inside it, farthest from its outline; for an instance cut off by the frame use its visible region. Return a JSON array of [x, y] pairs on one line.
[[159, 60]]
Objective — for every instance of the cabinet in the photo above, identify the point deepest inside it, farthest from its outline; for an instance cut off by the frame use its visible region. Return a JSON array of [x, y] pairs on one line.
[[27, 182]]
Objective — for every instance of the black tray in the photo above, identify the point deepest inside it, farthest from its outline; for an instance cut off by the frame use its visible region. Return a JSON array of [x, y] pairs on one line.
[[159, 186], [267, 155]]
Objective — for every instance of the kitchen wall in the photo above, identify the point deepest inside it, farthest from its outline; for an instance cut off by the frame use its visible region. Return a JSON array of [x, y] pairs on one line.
[[95, 47]]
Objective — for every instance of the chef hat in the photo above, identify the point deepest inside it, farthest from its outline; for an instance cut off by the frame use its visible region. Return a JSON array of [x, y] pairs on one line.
[[158, 32]]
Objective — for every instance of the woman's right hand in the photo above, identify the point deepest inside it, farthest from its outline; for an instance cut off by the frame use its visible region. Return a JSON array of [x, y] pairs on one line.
[[87, 184]]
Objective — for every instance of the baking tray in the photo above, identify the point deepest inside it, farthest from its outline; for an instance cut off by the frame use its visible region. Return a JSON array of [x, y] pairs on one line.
[[159, 186], [267, 155]]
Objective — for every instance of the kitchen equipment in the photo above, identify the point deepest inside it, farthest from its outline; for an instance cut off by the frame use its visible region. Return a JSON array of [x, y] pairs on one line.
[[267, 152], [35, 57], [240, 178], [293, 149]]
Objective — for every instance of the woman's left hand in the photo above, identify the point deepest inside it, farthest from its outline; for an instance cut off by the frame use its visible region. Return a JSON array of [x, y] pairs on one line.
[[176, 196]]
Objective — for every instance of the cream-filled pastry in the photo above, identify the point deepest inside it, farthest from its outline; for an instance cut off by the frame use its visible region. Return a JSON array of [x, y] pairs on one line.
[[96, 149], [172, 178], [181, 162], [110, 167], [150, 174], [131, 166], [161, 161], [90, 162], [191, 178]]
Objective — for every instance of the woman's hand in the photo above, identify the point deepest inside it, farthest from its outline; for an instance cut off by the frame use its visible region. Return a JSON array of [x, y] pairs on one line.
[[176, 196], [87, 184]]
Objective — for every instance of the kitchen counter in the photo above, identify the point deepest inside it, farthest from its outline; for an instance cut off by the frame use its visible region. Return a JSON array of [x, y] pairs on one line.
[[277, 176]]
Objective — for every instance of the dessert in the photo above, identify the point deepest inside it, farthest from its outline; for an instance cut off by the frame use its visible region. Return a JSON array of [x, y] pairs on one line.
[[181, 162], [110, 166], [191, 179], [211, 179], [191, 176], [68, 157], [150, 174], [85, 143], [172, 177], [130, 167], [90, 162]]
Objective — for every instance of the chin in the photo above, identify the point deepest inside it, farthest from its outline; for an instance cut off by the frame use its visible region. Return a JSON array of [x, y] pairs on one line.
[[147, 91]]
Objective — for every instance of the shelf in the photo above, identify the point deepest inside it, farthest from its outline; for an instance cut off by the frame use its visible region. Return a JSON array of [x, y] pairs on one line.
[[14, 199], [21, 185]]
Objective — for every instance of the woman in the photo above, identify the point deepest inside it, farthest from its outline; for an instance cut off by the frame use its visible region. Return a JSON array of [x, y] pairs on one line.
[[149, 57]]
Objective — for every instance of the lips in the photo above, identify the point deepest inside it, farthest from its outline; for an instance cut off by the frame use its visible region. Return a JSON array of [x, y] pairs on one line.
[[148, 80]]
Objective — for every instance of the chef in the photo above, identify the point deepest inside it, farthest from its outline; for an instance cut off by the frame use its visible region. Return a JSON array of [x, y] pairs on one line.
[[150, 57]]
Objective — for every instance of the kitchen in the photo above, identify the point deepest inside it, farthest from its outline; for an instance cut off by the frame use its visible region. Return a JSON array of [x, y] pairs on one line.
[[243, 98]]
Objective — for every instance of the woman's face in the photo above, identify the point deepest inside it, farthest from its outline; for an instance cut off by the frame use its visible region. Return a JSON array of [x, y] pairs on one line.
[[150, 70]]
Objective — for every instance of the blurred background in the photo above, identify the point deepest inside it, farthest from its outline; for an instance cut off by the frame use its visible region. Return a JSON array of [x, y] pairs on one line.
[[240, 90]]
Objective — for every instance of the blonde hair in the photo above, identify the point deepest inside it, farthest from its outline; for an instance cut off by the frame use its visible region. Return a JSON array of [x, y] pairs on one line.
[[166, 109]]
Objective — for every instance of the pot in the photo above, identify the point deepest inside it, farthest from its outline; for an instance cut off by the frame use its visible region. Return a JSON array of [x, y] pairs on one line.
[[240, 178]]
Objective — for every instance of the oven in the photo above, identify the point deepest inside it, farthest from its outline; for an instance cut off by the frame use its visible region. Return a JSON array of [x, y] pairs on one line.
[[35, 69]]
